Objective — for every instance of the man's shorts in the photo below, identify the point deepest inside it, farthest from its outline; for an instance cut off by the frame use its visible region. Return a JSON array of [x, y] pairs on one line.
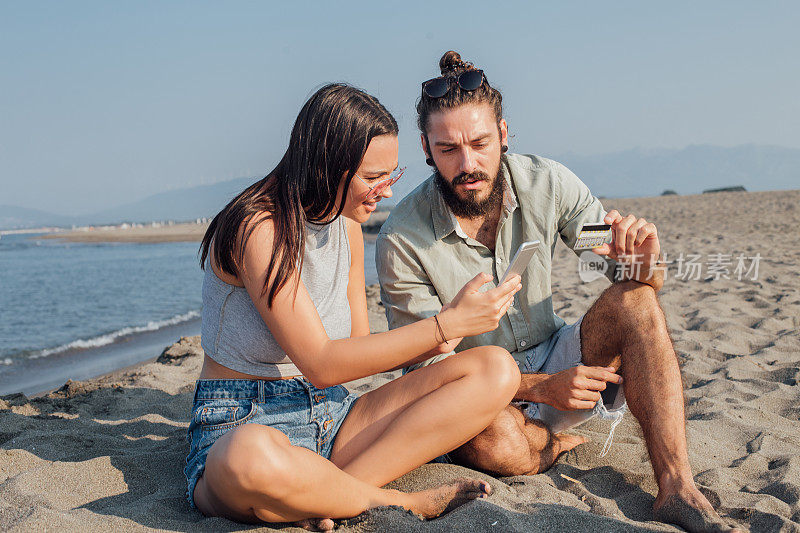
[[561, 351]]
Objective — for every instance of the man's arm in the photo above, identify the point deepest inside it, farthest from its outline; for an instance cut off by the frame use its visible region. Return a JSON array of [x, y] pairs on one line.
[[634, 251], [578, 387], [574, 388], [576, 206], [530, 388], [407, 293]]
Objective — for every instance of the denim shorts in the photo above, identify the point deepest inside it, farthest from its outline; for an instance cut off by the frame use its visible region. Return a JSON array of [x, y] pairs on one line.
[[309, 416]]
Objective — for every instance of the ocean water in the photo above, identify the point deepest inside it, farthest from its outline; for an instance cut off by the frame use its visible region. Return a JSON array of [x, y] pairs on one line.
[[56, 296], [60, 298]]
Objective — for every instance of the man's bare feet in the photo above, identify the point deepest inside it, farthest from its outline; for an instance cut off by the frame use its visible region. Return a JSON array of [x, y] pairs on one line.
[[437, 501], [543, 458], [691, 510], [562, 443]]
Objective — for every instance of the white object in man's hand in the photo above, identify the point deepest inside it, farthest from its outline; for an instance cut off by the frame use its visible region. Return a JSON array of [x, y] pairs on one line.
[[521, 259]]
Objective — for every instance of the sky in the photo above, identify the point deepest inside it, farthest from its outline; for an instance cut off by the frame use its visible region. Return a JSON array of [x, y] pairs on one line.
[[103, 103]]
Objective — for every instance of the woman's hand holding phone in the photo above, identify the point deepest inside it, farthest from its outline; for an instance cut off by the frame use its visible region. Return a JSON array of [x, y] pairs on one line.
[[473, 312]]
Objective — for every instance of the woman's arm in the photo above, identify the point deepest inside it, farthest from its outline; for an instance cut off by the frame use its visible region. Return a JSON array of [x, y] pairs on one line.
[[356, 291], [294, 322], [356, 295]]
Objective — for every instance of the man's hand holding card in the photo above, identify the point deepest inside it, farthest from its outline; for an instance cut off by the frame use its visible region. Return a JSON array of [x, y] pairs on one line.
[[635, 246]]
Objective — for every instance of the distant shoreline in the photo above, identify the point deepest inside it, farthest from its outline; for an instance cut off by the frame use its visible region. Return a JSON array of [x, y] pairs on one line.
[[187, 232], [182, 232], [27, 231]]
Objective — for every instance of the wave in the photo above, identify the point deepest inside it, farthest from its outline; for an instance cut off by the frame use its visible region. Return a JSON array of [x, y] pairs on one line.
[[109, 338], [6, 361]]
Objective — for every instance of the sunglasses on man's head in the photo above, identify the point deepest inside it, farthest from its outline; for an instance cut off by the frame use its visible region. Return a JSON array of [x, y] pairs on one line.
[[468, 80]]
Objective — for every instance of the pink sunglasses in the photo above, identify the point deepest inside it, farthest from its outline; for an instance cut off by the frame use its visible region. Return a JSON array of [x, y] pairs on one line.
[[378, 188]]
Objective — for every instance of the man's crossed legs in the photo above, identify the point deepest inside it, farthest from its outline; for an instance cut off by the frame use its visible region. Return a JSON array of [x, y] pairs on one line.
[[625, 330]]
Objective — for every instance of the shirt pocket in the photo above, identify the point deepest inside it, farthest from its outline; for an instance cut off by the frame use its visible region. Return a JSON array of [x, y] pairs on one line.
[[224, 414]]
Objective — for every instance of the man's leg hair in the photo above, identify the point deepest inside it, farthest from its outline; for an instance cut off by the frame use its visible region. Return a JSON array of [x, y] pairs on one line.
[[513, 445], [626, 329]]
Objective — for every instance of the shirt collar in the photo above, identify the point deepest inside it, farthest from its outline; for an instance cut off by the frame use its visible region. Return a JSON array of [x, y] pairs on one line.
[[445, 222]]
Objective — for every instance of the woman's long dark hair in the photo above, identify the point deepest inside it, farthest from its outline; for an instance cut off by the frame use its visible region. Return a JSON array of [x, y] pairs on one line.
[[328, 142]]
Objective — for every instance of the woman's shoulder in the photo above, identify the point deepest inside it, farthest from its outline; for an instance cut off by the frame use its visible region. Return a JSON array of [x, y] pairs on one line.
[[354, 232], [254, 237], [261, 224], [355, 242]]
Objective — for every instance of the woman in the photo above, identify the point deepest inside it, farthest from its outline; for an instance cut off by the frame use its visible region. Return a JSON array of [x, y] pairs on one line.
[[275, 437]]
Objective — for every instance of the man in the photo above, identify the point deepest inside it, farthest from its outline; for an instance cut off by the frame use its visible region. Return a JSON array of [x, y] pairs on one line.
[[470, 216]]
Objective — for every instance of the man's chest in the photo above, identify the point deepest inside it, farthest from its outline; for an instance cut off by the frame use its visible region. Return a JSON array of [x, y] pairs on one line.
[[457, 258], [484, 231]]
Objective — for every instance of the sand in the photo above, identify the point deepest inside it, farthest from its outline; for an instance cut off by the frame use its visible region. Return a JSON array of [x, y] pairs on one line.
[[107, 454], [184, 232]]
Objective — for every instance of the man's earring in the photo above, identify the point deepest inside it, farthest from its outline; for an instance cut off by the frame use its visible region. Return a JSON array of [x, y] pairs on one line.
[[429, 161], [504, 149]]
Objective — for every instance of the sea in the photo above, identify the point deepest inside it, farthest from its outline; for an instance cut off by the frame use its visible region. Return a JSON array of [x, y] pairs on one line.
[[78, 310]]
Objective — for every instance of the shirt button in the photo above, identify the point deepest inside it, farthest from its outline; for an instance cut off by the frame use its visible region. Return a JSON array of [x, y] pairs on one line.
[[523, 343]]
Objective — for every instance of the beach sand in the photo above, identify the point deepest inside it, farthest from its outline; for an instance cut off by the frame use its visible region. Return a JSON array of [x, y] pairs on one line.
[[107, 454], [183, 232]]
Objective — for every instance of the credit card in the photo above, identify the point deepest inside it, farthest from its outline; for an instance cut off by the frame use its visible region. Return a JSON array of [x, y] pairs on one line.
[[593, 236]]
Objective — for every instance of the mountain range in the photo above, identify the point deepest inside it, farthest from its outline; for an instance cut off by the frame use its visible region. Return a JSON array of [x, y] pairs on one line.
[[178, 204], [691, 170], [635, 172]]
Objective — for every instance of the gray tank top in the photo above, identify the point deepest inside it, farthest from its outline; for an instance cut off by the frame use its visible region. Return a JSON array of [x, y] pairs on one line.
[[233, 333]]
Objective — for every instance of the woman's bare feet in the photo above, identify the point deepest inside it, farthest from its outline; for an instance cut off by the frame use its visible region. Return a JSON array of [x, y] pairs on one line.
[[316, 524], [691, 510], [427, 503], [440, 500]]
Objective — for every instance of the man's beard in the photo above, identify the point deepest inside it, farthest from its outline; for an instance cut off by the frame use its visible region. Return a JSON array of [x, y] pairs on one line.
[[470, 206]]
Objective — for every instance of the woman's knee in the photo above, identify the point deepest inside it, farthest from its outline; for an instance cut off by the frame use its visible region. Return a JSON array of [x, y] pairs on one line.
[[251, 459], [498, 368]]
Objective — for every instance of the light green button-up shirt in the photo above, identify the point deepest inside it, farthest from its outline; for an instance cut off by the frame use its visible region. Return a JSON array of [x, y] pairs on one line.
[[424, 258]]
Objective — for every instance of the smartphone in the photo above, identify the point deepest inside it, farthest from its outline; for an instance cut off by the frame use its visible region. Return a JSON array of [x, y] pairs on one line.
[[609, 394], [521, 259]]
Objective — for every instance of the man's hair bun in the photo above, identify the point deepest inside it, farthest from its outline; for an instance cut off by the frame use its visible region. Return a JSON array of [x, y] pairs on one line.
[[452, 66], [451, 63]]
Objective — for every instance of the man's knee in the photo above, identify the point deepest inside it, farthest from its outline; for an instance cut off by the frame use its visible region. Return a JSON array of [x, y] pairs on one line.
[[634, 306], [502, 448]]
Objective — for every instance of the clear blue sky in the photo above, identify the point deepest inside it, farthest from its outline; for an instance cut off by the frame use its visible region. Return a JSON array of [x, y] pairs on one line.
[[107, 102]]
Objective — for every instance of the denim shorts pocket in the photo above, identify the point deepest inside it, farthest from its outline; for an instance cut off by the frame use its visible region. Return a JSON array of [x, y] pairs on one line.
[[224, 414]]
